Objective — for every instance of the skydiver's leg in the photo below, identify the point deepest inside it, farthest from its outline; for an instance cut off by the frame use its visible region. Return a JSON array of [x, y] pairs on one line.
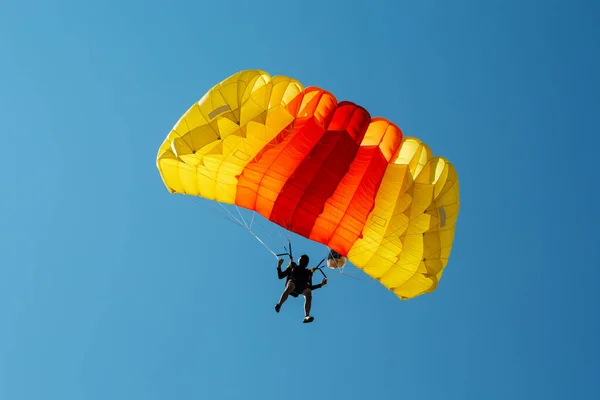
[[289, 288], [307, 293]]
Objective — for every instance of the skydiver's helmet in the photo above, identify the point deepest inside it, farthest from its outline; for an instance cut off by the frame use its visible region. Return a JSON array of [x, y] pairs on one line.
[[335, 260], [303, 261]]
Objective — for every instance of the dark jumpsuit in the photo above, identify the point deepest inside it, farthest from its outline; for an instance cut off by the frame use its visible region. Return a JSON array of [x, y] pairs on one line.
[[302, 278]]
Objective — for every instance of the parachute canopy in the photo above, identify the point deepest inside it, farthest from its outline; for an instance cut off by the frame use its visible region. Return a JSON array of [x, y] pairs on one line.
[[322, 168]]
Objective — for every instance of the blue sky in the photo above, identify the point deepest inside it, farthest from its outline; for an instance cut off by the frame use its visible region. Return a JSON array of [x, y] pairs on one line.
[[112, 288]]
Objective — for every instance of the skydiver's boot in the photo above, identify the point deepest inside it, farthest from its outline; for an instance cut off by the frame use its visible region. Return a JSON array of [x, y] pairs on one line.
[[277, 307], [308, 319]]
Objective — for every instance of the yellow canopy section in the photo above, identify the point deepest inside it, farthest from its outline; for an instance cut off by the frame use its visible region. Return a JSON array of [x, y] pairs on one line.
[[217, 137], [408, 236]]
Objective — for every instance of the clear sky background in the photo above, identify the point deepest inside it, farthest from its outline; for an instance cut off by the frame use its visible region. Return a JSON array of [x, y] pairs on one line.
[[112, 288]]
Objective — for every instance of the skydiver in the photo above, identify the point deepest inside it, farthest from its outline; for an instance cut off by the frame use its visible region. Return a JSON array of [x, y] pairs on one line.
[[298, 282]]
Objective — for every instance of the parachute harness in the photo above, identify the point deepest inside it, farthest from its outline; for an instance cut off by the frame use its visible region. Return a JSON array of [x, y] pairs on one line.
[[289, 253]]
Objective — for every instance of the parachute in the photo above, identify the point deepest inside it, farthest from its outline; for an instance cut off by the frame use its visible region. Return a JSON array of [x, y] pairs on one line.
[[323, 169]]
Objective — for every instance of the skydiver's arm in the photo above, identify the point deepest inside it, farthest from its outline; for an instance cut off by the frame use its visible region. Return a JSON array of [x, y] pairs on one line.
[[281, 274], [317, 286]]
